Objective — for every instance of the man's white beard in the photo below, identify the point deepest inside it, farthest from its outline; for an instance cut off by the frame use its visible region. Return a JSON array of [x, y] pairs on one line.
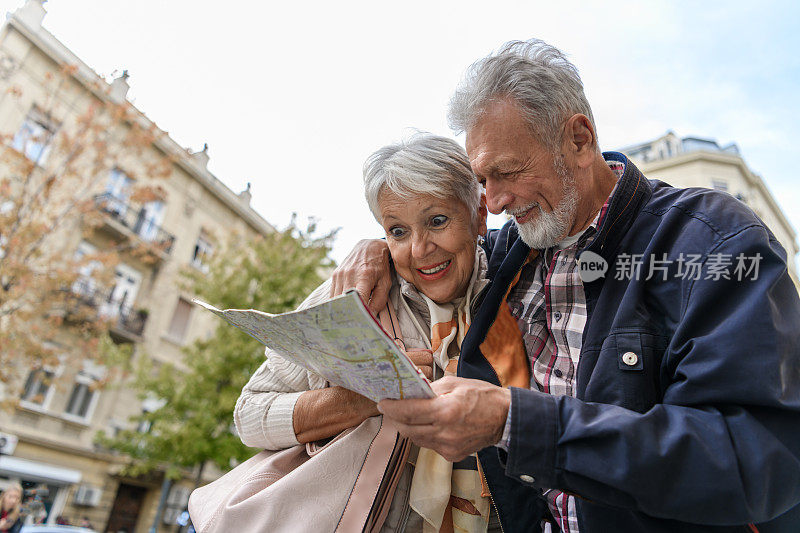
[[547, 229]]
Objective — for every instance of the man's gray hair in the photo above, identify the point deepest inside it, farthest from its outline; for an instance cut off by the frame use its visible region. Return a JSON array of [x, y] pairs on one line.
[[421, 164], [536, 76]]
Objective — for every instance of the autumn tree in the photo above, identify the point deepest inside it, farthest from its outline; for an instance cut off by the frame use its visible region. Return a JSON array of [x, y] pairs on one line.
[[52, 171], [194, 423]]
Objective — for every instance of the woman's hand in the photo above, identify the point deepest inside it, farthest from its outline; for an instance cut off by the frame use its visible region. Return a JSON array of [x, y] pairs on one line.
[[423, 359], [323, 413]]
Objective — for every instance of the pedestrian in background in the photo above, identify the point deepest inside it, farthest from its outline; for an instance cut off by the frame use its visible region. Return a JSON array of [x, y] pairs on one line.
[[11, 509]]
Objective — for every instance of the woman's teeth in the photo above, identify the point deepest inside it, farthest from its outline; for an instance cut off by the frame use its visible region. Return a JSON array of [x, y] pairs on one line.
[[437, 268]]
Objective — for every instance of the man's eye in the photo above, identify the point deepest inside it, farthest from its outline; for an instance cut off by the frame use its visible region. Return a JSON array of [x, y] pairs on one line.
[[397, 233], [438, 220]]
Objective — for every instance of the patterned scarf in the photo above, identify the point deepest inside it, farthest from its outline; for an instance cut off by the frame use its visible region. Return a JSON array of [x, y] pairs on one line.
[[448, 495]]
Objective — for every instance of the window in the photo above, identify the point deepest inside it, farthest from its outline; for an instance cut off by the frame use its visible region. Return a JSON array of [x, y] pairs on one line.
[[180, 320], [34, 136], [83, 397], [121, 297], [144, 425], [149, 405], [5, 208], [118, 189], [85, 284], [177, 500], [38, 387], [149, 221], [720, 185], [202, 253]]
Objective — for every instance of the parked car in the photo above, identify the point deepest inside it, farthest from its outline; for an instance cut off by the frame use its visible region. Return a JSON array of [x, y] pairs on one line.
[[43, 528]]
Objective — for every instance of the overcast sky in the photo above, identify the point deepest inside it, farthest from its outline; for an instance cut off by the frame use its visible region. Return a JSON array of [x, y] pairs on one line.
[[293, 96]]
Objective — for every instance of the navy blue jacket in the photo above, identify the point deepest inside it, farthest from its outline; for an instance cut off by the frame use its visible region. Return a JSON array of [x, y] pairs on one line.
[[703, 432]]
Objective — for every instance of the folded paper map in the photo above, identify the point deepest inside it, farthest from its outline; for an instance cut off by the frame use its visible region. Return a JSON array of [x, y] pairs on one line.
[[339, 340]]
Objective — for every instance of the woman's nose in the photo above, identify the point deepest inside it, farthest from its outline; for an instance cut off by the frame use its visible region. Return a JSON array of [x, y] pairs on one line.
[[421, 246]]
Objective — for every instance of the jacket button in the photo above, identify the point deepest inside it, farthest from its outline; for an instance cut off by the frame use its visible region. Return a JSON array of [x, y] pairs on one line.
[[526, 478], [630, 358]]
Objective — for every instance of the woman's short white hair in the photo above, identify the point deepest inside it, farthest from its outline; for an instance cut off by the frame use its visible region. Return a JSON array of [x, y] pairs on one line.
[[424, 164], [536, 76]]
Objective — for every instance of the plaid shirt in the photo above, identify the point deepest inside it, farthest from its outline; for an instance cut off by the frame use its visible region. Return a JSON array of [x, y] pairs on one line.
[[550, 307]]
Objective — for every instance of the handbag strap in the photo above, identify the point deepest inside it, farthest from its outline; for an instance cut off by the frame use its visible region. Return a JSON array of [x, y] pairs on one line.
[[372, 494], [391, 326]]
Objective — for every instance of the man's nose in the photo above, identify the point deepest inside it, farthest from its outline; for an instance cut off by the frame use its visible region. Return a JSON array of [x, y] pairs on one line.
[[497, 198]]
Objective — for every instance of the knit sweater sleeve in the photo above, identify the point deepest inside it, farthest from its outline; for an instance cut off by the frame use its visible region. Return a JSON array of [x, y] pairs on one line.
[[264, 411]]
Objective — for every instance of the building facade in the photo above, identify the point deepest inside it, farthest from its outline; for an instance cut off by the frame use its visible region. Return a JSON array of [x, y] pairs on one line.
[[698, 162], [47, 439]]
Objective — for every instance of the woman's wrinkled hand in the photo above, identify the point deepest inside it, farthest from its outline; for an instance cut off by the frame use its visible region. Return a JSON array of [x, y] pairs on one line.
[[423, 359], [323, 413]]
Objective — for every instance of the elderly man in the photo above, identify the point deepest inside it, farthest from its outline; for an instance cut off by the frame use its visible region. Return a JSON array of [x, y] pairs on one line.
[[661, 326]]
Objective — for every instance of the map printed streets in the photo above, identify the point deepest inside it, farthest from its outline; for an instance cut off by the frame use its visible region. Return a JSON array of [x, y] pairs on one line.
[[338, 340]]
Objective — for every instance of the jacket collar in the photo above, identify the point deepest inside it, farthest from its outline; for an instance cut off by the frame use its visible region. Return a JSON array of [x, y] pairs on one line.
[[506, 238], [632, 193]]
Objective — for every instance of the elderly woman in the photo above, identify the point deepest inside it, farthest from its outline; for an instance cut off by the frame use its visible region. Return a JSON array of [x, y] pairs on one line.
[[430, 205], [10, 508]]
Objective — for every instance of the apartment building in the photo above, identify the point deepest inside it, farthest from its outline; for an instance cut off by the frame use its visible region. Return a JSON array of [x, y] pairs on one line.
[[699, 162], [46, 441]]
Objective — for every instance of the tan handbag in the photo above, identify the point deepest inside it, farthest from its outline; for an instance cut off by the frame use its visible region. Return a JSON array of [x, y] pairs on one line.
[[345, 485]]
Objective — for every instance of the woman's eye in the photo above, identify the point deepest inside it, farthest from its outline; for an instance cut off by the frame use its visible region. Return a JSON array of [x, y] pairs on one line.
[[396, 233], [439, 220]]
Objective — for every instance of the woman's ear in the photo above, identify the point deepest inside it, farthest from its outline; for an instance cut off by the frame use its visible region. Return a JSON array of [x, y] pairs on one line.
[[482, 214]]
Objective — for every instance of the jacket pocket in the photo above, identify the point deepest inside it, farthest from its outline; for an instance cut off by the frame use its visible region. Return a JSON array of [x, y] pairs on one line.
[[635, 358]]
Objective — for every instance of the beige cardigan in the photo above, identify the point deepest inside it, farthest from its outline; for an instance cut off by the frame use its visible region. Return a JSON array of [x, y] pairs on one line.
[[263, 413]]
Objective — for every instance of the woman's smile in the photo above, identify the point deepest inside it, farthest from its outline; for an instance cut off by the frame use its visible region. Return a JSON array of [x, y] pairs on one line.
[[436, 271]]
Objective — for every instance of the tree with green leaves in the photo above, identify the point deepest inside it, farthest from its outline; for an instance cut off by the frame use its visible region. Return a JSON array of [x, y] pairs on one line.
[[194, 423]]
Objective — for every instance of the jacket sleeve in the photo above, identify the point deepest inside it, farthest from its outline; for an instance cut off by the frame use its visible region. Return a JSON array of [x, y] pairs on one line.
[[263, 415], [723, 445]]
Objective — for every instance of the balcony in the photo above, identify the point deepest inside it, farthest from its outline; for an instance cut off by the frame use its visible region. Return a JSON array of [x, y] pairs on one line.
[[127, 219], [126, 324]]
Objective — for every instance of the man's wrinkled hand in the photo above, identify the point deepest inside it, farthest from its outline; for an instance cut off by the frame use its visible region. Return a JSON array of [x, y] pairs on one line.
[[466, 416], [366, 268]]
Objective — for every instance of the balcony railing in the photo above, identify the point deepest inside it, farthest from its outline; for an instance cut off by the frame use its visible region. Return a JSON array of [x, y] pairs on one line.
[[135, 219], [122, 317]]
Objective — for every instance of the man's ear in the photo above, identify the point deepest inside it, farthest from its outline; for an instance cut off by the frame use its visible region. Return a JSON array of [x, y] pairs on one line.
[[580, 141], [482, 214]]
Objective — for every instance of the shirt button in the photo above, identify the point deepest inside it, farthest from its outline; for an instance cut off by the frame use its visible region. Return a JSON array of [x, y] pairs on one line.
[[630, 358], [558, 373], [557, 315], [526, 478]]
